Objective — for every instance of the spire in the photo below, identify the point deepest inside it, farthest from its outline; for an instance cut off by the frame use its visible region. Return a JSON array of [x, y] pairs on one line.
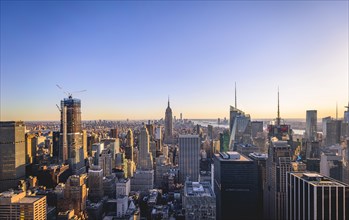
[[235, 97], [336, 110], [278, 119], [168, 101]]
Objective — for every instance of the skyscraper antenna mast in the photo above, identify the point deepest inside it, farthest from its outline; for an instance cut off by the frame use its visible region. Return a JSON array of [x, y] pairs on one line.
[[278, 119]]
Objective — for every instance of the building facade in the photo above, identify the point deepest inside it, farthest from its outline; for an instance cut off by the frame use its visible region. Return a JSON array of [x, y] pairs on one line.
[[235, 186], [168, 137], [311, 195], [278, 164], [12, 154], [189, 157]]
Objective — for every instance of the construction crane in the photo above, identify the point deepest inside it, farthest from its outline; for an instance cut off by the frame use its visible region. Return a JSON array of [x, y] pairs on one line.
[[70, 94]]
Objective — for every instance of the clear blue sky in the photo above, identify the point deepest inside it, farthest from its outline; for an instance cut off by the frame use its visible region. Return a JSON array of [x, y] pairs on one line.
[[130, 56]]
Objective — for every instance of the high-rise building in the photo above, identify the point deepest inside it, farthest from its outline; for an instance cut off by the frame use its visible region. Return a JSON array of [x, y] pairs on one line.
[[55, 144], [105, 162], [168, 139], [224, 139], [199, 201], [235, 186], [19, 206], [71, 134], [114, 133], [123, 187], [189, 157], [12, 154], [261, 161], [278, 164], [129, 145], [333, 132], [331, 165], [145, 159], [311, 195], [95, 183], [30, 146], [239, 127], [75, 194], [311, 125], [256, 128]]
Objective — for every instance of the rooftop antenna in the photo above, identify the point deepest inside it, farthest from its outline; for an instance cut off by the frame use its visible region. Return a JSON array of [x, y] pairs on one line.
[[347, 107], [235, 97], [168, 101], [278, 119]]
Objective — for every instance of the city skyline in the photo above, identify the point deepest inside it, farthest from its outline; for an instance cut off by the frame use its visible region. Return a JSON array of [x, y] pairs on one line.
[[130, 56]]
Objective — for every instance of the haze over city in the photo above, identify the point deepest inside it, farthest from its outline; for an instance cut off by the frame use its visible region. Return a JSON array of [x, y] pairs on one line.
[[130, 56]]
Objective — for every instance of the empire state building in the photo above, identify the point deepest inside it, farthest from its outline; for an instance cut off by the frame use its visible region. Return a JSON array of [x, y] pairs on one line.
[[168, 139]]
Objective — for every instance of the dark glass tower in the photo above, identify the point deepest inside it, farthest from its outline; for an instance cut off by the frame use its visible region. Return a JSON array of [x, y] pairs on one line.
[[71, 135], [235, 186], [12, 154]]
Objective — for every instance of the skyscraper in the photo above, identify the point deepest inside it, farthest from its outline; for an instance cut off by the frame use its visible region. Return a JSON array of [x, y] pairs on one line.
[[12, 154], [129, 145], [95, 183], [311, 125], [235, 186], [168, 139], [145, 159], [278, 164], [239, 126], [314, 196], [105, 162], [189, 157], [71, 134]]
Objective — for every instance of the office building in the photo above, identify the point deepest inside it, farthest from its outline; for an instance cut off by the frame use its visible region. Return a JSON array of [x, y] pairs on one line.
[[235, 186], [129, 145], [145, 158], [189, 157], [168, 139], [224, 139], [199, 201], [333, 132], [256, 128], [105, 162], [95, 183], [311, 125], [278, 164], [71, 135], [75, 194], [55, 144], [19, 206], [114, 133], [311, 195], [239, 127], [123, 187], [261, 161], [121, 206], [331, 165], [12, 154], [143, 180]]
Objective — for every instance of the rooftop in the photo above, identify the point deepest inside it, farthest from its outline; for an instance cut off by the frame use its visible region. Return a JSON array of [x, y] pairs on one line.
[[317, 179], [30, 199], [198, 189], [231, 156]]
